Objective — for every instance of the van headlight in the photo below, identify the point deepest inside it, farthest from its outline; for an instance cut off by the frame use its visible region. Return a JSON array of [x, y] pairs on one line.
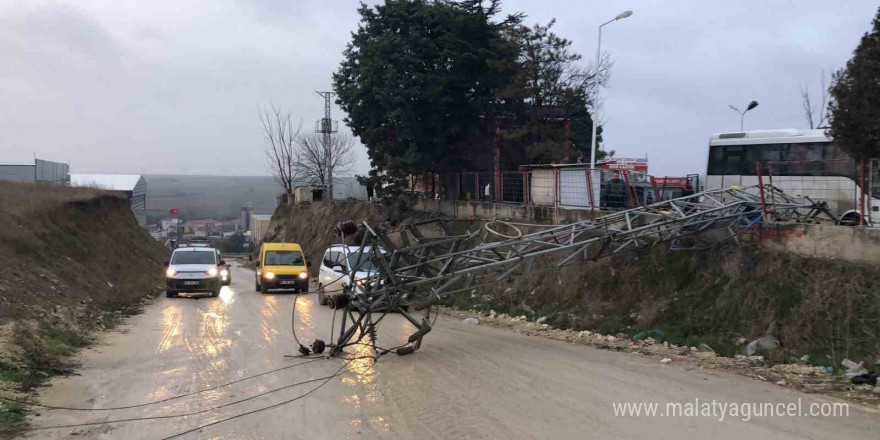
[[303, 275], [224, 273], [268, 275], [170, 272], [212, 272]]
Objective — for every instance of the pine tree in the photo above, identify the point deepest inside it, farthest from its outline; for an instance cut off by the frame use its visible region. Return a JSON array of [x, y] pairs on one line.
[[855, 99]]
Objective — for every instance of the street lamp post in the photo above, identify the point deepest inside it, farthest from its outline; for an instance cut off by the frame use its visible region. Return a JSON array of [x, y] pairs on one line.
[[620, 16], [742, 114]]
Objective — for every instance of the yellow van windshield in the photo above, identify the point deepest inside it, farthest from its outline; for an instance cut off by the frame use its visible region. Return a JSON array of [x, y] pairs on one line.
[[284, 258]]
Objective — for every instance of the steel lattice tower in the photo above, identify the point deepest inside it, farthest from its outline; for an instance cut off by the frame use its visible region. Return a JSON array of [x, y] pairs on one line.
[[327, 127]]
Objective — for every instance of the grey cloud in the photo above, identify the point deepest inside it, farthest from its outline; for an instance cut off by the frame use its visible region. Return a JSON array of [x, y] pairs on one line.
[[170, 87]]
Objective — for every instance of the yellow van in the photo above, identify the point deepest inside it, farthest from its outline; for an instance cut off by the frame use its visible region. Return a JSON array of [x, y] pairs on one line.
[[282, 266]]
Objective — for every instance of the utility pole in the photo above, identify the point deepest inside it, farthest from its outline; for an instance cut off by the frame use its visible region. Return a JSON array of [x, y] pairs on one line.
[[327, 127]]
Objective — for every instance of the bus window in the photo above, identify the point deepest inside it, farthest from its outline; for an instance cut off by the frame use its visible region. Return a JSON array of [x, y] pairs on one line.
[[733, 161], [716, 159]]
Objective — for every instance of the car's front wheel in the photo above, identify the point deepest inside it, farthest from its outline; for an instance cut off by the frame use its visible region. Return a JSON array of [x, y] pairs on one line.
[[322, 298]]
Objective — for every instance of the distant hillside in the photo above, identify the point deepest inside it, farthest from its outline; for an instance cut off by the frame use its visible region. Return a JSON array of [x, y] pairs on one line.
[[218, 197]]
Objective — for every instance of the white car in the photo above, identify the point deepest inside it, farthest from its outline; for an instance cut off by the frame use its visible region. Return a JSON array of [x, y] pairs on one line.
[[194, 269], [334, 275]]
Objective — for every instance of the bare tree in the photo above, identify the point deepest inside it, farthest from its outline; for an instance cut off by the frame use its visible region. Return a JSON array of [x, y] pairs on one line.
[[816, 115], [281, 152], [319, 159]]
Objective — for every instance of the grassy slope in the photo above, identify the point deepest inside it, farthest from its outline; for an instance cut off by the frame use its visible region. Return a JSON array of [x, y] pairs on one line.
[[68, 257], [828, 309]]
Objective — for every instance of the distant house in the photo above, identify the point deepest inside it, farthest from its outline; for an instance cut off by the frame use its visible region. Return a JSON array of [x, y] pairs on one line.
[[204, 228], [132, 186], [39, 171]]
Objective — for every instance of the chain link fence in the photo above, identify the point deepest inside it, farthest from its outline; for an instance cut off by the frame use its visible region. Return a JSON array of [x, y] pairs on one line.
[[564, 187]]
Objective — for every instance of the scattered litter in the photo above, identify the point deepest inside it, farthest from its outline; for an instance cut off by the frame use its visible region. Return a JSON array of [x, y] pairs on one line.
[[781, 383], [863, 379], [706, 347], [541, 320], [471, 321], [110, 284], [665, 361], [853, 369], [754, 360], [805, 358], [764, 344], [646, 334]]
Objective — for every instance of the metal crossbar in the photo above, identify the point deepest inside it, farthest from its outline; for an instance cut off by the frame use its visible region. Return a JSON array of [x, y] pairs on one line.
[[420, 271]]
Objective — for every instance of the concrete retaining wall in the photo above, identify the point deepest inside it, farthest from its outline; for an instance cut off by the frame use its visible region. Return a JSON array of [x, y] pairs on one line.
[[858, 245]]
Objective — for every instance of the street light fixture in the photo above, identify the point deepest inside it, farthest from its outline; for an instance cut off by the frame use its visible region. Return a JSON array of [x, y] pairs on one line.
[[620, 16], [742, 114]]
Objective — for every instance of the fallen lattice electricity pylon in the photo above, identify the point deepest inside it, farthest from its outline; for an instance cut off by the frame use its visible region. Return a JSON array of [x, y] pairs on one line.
[[413, 275]]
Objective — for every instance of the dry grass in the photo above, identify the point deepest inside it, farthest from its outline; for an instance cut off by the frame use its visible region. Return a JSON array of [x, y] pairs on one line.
[[67, 256], [828, 309]]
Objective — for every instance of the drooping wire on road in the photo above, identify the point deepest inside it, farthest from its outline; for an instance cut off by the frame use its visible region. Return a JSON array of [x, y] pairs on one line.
[[213, 408], [338, 372], [167, 399]]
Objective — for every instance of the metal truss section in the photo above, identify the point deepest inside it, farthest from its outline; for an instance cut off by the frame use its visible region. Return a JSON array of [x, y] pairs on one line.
[[415, 274]]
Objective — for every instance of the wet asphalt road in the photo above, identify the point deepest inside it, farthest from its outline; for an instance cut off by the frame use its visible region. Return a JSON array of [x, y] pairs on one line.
[[468, 382]]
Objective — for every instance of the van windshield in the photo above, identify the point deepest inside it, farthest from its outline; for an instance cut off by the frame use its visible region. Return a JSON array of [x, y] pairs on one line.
[[193, 257], [283, 258]]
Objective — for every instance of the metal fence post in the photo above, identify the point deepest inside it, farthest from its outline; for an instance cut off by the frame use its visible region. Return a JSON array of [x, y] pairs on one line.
[[590, 188], [862, 195], [656, 190], [761, 191], [525, 187]]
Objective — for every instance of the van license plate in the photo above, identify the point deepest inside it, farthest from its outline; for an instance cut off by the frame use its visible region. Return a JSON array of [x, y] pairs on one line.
[[287, 282], [190, 283]]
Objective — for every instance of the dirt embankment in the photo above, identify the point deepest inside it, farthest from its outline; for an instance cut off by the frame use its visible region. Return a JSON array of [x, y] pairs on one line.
[[724, 297], [71, 260], [311, 225]]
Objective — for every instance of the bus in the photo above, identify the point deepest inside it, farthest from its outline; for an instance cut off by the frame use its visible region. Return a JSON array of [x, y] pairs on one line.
[[805, 163]]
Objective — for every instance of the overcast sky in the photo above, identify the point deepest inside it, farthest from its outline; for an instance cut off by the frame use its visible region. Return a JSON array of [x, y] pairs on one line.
[[173, 87]]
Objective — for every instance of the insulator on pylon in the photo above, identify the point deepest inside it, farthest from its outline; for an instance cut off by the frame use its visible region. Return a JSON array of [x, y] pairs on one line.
[[402, 351], [346, 229], [318, 346]]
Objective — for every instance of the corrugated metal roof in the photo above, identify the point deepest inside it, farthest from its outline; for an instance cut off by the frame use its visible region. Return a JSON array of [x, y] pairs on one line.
[[263, 216], [114, 182]]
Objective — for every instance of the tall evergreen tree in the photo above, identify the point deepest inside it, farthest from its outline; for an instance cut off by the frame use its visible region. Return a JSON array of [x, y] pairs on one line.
[[417, 81], [855, 99]]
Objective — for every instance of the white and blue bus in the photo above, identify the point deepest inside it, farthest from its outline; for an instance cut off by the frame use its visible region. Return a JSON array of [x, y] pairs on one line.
[[804, 163]]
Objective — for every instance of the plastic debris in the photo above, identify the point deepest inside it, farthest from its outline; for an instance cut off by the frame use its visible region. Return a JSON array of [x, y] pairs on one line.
[[853, 369], [865, 379], [471, 321], [665, 361]]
